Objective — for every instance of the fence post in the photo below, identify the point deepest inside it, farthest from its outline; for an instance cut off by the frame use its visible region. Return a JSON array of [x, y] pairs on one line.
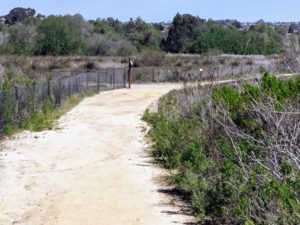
[[58, 94], [48, 89], [69, 84], [114, 81], [124, 77], [98, 81], [153, 72], [87, 80], [111, 80], [33, 97], [106, 75], [16, 110], [77, 83]]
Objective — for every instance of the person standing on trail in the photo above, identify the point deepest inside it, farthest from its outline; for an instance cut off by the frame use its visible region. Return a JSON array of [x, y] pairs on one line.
[[129, 72]]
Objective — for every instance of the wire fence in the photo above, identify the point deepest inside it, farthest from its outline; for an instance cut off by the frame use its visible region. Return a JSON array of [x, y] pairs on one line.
[[20, 103]]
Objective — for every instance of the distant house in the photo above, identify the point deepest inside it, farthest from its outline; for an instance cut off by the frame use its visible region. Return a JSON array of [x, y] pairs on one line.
[[3, 38], [40, 16], [166, 27], [2, 19]]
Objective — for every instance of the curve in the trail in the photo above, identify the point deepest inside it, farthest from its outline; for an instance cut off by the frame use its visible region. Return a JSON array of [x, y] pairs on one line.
[[93, 170]]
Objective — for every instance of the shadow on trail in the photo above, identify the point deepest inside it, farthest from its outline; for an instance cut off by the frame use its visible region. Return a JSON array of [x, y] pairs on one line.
[[176, 199]]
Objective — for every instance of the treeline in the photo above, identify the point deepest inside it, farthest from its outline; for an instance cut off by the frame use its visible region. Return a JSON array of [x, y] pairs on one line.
[[69, 35], [191, 34], [23, 33]]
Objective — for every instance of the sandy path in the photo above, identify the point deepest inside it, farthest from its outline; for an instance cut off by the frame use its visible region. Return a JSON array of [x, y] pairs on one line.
[[93, 171]]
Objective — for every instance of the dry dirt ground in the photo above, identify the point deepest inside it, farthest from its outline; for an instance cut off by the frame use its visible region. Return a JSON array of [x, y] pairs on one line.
[[93, 170]]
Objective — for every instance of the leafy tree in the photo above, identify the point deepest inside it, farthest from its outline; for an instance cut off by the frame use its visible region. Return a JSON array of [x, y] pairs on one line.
[[237, 24], [21, 38], [261, 39], [18, 14], [60, 35], [184, 28], [109, 44], [292, 28], [142, 34]]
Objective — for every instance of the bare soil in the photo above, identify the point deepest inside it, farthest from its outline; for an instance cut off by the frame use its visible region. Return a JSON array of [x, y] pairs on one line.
[[93, 170]]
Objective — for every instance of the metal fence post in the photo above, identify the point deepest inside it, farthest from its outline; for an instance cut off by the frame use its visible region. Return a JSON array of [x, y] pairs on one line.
[[58, 94], [33, 96], [153, 72], [48, 89], [16, 108], [124, 77], [77, 83], [98, 81], [69, 86], [113, 78], [87, 80], [106, 75]]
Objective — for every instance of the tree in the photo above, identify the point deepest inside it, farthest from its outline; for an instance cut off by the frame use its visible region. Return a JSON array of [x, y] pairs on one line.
[[21, 38], [60, 35], [18, 14], [184, 28], [142, 34], [292, 28], [237, 24]]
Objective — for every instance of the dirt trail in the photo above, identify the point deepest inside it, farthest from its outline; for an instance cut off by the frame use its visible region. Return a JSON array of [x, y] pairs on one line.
[[92, 171]]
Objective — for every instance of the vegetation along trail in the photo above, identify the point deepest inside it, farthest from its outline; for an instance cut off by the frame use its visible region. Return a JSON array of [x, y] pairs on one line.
[[92, 170]]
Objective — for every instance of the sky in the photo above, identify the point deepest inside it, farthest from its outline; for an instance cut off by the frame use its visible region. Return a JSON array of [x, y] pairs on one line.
[[164, 10]]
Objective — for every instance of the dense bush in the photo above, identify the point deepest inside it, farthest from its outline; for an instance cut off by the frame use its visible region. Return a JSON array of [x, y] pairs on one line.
[[59, 35], [236, 150], [184, 28], [18, 14], [231, 40], [21, 38]]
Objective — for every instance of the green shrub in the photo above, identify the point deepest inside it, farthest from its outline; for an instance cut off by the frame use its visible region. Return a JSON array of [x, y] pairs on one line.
[[221, 148]]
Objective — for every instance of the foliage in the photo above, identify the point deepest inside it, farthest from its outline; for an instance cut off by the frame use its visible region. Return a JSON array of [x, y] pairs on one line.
[[22, 38], [184, 28], [150, 58], [18, 14], [236, 151], [60, 35], [109, 43], [67, 35], [11, 80], [260, 40], [21, 109], [45, 119]]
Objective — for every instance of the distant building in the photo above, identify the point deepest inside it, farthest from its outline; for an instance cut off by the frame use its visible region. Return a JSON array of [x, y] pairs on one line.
[[3, 38], [166, 26], [40, 16], [2, 19]]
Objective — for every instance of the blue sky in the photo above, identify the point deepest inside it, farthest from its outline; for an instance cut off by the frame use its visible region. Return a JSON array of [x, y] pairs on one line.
[[165, 10]]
